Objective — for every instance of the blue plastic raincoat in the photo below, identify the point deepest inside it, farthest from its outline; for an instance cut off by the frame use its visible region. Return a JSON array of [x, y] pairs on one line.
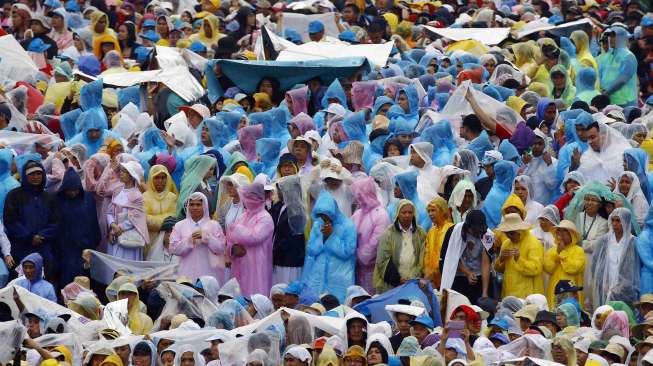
[[38, 286], [505, 172], [644, 247], [440, 135], [618, 72]]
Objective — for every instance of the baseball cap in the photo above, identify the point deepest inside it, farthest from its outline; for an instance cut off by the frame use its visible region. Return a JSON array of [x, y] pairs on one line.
[[424, 321], [149, 23], [566, 286], [315, 26]]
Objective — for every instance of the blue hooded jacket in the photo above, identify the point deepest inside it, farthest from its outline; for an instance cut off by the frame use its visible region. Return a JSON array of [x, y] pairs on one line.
[[586, 84], [618, 71], [412, 114], [330, 263], [564, 156], [636, 162], [644, 247], [268, 150], [509, 152], [505, 172], [78, 226], [91, 118], [440, 135], [38, 286], [30, 211], [480, 145]]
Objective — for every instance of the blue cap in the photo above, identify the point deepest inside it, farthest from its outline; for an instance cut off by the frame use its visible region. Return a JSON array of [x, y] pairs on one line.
[[52, 4], [37, 45], [649, 100], [348, 36], [141, 53], [294, 288], [500, 337], [647, 20], [292, 35], [232, 26], [315, 26], [72, 6], [197, 47], [151, 35], [149, 23], [500, 323], [423, 320]]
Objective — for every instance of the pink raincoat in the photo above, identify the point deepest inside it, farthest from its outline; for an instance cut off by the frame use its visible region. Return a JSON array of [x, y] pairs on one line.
[[93, 169], [303, 122], [135, 215], [371, 220], [299, 99], [254, 231], [202, 258], [247, 137], [362, 94]]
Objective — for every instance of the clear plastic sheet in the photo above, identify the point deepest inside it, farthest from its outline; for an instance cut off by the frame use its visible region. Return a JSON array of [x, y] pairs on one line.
[[12, 333]]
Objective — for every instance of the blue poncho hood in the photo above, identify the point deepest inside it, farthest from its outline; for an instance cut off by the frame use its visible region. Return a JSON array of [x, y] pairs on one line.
[[440, 135], [37, 260], [505, 172], [334, 91]]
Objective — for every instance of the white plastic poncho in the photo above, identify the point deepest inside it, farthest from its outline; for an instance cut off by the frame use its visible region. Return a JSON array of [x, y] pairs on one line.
[[428, 180], [533, 208], [635, 196], [608, 162]]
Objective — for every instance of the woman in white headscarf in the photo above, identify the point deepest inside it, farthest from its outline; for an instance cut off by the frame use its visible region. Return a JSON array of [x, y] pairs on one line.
[[523, 188], [462, 200], [543, 230], [628, 184], [616, 264], [230, 206]]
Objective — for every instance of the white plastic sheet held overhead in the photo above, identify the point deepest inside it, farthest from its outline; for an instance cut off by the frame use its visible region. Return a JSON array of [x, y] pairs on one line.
[[15, 63], [177, 78], [543, 25], [487, 36], [299, 22], [23, 141], [376, 54]]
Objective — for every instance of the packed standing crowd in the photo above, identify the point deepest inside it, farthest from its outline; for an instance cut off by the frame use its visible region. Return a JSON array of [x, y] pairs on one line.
[[316, 182]]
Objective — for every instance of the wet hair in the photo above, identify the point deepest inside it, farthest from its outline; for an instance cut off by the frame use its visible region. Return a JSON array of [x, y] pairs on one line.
[[600, 101], [472, 123]]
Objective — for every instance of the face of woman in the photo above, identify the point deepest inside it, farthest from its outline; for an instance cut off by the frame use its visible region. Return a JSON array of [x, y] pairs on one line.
[[559, 354], [251, 20], [403, 101], [545, 224], [393, 150], [101, 25], [561, 320], [266, 87], [624, 184], [514, 236], [559, 81], [125, 177], [167, 359], [162, 27], [196, 209], [521, 191], [160, 182], [57, 22], [570, 185], [563, 236], [187, 359], [592, 205], [206, 137], [123, 33], [489, 66], [231, 190], [616, 226], [17, 20], [468, 201], [374, 356]]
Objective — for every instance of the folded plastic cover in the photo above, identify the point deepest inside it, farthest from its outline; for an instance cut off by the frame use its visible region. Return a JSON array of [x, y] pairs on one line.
[[104, 266], [176, 77], [376, 54], [15, 63]]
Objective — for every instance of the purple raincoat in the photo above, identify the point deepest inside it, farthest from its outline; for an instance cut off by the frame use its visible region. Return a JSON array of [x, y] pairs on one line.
[[371, 220], [254, 231], [299, 100], [247, 137]]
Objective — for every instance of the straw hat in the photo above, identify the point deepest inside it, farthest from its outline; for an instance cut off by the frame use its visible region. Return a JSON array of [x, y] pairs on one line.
[[353, 153], [513, 222], [567, 225]]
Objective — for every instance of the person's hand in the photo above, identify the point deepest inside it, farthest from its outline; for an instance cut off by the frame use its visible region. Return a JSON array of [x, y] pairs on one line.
[[86, 256], [37, 240], [559, 248], [472, 278], [465, 334], [30, 343], [505, 254], [197, 235], [336, 17], [527, 158], [326, 229], [612, 183], [468, 96], [168, 138], [575, 158], [445, 335], [238, 251], [515, 254], [547, 158], [10, 261]]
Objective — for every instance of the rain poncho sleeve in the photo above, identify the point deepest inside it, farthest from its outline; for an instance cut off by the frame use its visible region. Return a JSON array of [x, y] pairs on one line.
[[523, 276], [618, 77], [644, 247], [329, 264], [198, 257], [254, 231], [567, 264], [371, 220]]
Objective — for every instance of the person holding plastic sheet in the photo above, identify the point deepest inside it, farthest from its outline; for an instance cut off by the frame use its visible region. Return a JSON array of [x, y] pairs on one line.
[[400, 254]]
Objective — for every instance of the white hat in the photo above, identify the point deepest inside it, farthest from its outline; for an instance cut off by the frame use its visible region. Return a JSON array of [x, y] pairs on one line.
[[337, 109], [482, 313], [240, 96], [200, 109], [331, 168], [300, 353], [583, 345], [134, 168]]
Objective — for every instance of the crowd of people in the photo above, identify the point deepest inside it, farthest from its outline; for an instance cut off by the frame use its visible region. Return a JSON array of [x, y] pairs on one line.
[[316, 182]]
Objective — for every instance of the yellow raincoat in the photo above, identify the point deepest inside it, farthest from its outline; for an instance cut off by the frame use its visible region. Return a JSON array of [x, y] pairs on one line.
[[139, 322], [512, 201], [522, 277], [516, 103], [157, 205], [112, 360], [434, 239], [583, 53], [647, 145], [200, 36], [95, 17], [525, 58], [105, 38], [569, 264]]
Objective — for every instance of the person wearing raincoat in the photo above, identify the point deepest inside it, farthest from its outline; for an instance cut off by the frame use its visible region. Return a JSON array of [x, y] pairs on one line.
[[400, 255], [505, 173], [197, 170], [628, 184], [230, 206], [209, 33], [583, 52], [616, 264], [7, 181], [406, 188], [438, 211], [523, 188], [32, 279], [618, 71], [139, 323], [603, 159], [462, 200], [520, 258], [407, 105], [371, 221], [644, 247], [565, 261], [586, 84], [198, 241], [541, 168], [30, 218], [562, 88], [567, 318], [330, 261], [78, 225], [290, 222], [525, 58], [159, 199], [249, 242]]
